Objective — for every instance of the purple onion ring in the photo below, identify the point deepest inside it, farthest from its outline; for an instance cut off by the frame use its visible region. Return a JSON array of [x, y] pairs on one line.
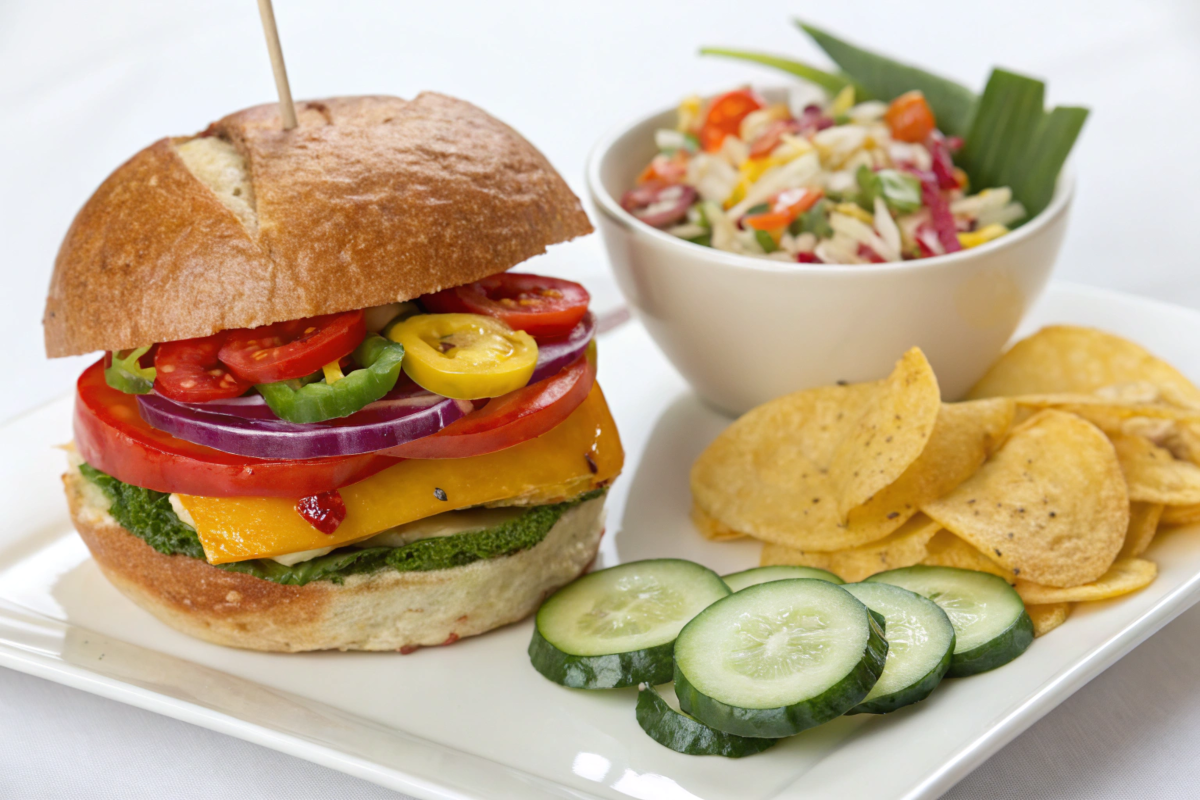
[[404, 414], [554, 354]]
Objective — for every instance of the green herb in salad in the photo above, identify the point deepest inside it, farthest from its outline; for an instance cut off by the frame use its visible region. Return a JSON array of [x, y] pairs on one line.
[[1010, 140], [901, 192]]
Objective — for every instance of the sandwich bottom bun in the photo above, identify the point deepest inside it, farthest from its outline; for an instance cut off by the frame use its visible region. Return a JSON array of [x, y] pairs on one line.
[[386, 610]]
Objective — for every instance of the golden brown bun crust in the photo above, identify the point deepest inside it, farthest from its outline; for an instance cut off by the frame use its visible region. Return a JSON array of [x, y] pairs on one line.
[[369, 201], [387, 610]]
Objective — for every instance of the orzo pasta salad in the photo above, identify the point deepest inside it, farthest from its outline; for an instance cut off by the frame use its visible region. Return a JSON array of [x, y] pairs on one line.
[[830, 182]]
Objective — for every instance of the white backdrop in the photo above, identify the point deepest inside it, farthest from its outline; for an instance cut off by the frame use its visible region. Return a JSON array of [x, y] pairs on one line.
[[83, 85]]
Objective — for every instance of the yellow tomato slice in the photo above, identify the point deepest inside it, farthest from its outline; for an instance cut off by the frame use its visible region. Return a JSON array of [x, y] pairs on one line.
[[465, 356]]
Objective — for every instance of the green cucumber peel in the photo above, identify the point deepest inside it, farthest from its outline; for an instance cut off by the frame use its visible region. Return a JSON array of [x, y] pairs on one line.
[[920, 647], [610, 671], [776, 723], [736, 581], [724, 645], [991, 625], [685, 734], [996, 653]]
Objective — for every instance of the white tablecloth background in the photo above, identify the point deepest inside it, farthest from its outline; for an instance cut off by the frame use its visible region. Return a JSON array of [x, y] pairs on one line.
[[83, 85]]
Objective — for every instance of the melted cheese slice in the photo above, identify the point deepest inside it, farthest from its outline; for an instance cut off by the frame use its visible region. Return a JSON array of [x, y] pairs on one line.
[[550, 468]]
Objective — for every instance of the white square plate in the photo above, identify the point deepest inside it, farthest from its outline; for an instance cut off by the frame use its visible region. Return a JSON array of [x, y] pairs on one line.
[[475, 720]]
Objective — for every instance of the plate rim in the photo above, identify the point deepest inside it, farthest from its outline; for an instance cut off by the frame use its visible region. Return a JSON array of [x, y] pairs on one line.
[[1029, 710]]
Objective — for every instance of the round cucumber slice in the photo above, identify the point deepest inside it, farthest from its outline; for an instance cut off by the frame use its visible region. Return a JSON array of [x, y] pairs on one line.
[[752, 577], [920, 646], [617, 627], [778, 658], [688, 735], [991, 627]]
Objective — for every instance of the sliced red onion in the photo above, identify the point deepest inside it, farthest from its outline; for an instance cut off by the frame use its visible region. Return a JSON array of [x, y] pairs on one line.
[[659, 206], [246, 425], [554, 354], [404, 414]]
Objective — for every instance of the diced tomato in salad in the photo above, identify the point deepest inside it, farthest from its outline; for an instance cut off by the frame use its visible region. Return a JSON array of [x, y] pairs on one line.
[[725, 115], [827, 183]]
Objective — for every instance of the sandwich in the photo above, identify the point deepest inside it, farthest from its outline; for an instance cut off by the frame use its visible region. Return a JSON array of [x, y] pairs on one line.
[[327, 416]]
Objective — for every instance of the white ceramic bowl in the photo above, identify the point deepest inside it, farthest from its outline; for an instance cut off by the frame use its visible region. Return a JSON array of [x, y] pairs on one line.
[[743, 330]]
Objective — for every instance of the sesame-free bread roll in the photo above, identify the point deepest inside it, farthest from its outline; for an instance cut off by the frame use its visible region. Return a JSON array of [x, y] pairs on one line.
[[369, 201]]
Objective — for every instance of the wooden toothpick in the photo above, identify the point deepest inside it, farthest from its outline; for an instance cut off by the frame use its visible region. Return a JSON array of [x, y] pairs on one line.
[[286, 109]]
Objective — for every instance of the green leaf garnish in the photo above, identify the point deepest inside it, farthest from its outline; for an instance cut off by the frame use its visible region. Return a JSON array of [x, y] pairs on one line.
[[1010, 139], [885, 79], [826, 80], [1014, 142], [127, 375]]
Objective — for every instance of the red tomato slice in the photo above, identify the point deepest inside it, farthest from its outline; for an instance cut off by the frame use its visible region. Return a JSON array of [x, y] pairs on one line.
[[542, 307], [190, 372], [292, 349], [113, 438], [725, 115], [509, 419]]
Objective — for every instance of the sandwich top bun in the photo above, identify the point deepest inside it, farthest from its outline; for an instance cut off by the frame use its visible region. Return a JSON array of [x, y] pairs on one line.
[[369, 201]]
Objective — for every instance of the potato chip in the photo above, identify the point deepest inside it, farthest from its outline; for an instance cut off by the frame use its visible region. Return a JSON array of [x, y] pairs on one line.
[[890, 434], [722, 479], [964, 435], [1064, 359], [947, 550], [1124, 576], [1180, 515], [1047, 617], [765, 474], [903, 548], [1049, 506], [1153, 474], [1096, 406], [1143, 523], [711, 529]]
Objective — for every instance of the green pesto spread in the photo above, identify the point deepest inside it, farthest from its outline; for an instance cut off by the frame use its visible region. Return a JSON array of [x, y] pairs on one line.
[[148, 515]]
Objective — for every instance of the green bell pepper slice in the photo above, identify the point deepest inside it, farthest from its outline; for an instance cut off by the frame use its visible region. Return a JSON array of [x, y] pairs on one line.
[[127, 375], [310, 399]]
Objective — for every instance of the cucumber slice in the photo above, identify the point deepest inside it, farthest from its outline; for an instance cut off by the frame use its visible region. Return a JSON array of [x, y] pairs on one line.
[[753, 577], [777, 658], [920, 646], [991, 627], [688, 735], [617, 627]]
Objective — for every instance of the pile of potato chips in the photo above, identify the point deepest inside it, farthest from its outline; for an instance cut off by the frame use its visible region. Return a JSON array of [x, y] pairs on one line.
[[1070, 454]]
